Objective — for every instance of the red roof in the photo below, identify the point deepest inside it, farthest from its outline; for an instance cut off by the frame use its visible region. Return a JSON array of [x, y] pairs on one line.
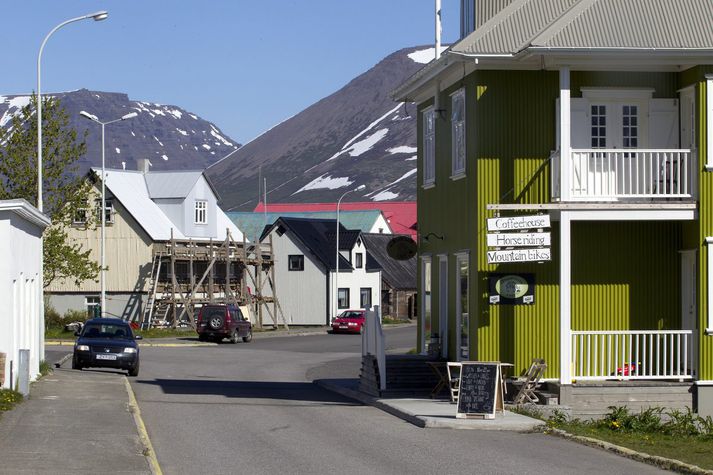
[[401, 215]]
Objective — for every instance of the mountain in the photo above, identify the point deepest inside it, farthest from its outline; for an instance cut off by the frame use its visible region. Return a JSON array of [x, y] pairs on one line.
[[356, 136], [170, 137]]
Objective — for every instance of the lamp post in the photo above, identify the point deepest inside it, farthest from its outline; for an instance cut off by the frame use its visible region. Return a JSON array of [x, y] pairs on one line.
[[98, 16], [336, 274], [102, 271]]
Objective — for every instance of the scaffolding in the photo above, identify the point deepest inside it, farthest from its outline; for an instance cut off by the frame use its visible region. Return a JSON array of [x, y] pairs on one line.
[[187, 274]]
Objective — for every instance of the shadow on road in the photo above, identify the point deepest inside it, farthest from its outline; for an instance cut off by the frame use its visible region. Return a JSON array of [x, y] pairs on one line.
[[289, 391]]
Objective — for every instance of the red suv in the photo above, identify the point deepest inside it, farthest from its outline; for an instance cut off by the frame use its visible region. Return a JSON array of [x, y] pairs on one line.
[[216, 322]]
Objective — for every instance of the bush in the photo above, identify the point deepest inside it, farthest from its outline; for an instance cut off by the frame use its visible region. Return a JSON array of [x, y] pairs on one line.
[[54, 320], [8, 398]]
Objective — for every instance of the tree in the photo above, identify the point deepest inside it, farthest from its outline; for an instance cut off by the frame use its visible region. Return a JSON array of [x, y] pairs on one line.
[[65, 193]]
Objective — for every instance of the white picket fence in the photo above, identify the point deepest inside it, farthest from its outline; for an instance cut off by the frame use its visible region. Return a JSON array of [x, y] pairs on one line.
[[649, 354]]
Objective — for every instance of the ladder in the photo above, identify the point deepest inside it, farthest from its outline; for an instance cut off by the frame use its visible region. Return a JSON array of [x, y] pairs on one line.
[[153, 283]]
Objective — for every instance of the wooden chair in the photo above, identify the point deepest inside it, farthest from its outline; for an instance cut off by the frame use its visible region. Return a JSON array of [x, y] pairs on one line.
[[453, 379], [529, 382]]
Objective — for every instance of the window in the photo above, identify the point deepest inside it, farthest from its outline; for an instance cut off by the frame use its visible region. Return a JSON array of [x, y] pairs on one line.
[[343, 298], [358, 260], [630, 131], [82, 214], [201, 214], [425, 303], [365, 297], [458, 133], [92, 304], [296, 262], [599, 126], [463, 324], [429, 146]]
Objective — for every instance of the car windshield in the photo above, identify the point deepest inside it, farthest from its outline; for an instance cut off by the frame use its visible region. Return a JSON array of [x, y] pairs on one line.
[[107, 330], [351, 315]]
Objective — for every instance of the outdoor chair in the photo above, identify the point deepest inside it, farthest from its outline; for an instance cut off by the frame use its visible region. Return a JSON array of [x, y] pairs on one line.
[[453, 380], [528, 383]]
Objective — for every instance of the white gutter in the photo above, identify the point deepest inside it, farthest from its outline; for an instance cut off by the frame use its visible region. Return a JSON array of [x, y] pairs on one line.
[[23, 208]]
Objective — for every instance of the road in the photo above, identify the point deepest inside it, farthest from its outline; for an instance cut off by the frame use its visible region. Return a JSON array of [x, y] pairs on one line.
[[252, 408]]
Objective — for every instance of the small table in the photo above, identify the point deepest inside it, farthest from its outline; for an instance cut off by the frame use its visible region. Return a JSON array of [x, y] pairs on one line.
[[439, 368]]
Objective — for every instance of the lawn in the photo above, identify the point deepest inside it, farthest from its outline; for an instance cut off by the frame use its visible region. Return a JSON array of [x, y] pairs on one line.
[[691, 449]]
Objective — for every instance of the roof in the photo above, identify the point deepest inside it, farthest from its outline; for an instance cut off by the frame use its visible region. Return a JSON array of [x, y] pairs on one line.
[[23, 208], [593, 24], [397, 274], [131, 189], [171, 184], [253, 223], [531, 29], [318, 236], [401, 215]]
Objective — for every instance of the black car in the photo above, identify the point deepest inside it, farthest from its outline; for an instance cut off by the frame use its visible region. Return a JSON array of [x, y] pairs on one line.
[[107, 343]]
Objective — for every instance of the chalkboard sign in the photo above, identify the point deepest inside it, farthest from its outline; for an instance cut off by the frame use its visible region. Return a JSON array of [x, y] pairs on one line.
[[479, 390]]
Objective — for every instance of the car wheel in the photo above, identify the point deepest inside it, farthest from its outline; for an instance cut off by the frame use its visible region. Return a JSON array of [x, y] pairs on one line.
[[234, 338], [249, 336], [216, 322], [135, 370], [75, 364]]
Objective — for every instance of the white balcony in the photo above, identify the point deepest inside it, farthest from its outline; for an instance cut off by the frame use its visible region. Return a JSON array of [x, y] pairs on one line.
[[648, 354], [621, 174]]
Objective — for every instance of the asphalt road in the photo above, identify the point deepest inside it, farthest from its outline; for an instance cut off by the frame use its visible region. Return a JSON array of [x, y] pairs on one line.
[[252, 408]]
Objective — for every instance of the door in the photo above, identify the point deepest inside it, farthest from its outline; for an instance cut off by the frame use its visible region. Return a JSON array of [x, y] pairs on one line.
[[688, 118], [443, 303], [689, 308], [462, 303]]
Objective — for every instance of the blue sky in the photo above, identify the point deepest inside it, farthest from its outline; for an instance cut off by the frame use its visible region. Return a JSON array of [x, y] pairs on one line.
[[244, 65]]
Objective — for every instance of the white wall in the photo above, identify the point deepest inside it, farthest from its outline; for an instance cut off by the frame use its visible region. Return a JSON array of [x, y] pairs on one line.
[[302, 294], [357, 279], [21, 321], [381, 226], [201, 191]]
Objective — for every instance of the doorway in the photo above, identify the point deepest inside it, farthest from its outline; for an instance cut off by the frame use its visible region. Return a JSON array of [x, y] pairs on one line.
[[443, 303]]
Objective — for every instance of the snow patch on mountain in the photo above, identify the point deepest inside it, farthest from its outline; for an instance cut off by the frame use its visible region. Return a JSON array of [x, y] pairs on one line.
[[14, 106], [411, 158], [182, 132], [325, 182], [346, 146], [402, 149], [385, 196], [425, 56], [118, 150]]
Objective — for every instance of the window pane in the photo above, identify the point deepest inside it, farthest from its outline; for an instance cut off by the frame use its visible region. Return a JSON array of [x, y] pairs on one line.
[[343, 298]]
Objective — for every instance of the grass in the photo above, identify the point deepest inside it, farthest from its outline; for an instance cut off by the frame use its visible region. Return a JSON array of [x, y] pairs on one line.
[[45, 368], [8, 399], [678, 435], [392, 321]]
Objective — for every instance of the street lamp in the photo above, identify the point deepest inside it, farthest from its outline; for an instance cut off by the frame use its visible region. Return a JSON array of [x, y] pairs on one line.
[[98, 16], [102, 271], [336, 275]]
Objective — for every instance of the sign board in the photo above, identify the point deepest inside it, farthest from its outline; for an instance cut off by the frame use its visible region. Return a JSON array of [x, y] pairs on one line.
[[519, 240], [513, 289], [519, 255], [479, 390], [519, 223]]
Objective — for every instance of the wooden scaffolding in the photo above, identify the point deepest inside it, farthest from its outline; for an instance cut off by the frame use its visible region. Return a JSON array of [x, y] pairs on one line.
[[187, 274]]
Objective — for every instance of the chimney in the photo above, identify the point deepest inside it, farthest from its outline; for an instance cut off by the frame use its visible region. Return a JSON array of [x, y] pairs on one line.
[[142, 165]]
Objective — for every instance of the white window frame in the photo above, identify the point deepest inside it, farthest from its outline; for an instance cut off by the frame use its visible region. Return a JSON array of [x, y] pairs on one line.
[[108, 211], [461, 257], [458, 152], [90, 302], [200, 212], [426, 283], [429, 147]]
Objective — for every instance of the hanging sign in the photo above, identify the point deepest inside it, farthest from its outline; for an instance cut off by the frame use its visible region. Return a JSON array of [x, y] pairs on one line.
[[520, 255], [512, 289], [519, 239], [519, 223]]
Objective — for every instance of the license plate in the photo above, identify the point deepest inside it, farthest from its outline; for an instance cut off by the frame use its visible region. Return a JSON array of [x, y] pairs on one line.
[[344, 327], [106, 357]]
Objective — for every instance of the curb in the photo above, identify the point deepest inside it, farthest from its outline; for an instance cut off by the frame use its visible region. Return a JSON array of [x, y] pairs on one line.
[[662, 462], [372, 401], [148, 451]]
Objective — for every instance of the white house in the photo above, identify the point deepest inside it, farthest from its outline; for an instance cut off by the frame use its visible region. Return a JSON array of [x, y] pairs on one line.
[[305, 270], [142, 208], [21, 321]]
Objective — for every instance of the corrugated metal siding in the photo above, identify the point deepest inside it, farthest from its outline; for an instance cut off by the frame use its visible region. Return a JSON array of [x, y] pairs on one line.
[[634, 24], [486, 9]]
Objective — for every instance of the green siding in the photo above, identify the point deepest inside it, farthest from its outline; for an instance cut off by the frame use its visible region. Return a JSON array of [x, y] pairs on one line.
[[625, 274]]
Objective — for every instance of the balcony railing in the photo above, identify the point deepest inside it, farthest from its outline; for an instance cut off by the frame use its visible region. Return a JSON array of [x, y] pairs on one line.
[[613, 174], [647, 354]]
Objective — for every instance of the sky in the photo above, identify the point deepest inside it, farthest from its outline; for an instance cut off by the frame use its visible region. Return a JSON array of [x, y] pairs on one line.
[[243, 65]]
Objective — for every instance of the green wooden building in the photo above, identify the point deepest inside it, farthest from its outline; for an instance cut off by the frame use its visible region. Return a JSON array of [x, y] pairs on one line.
[[587, 122]]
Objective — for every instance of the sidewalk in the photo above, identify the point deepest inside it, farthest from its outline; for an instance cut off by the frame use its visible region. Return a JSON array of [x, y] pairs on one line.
[[430, 413], [73, 422]]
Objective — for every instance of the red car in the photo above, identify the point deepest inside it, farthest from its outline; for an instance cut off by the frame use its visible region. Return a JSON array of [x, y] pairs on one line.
[[349, 321]]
